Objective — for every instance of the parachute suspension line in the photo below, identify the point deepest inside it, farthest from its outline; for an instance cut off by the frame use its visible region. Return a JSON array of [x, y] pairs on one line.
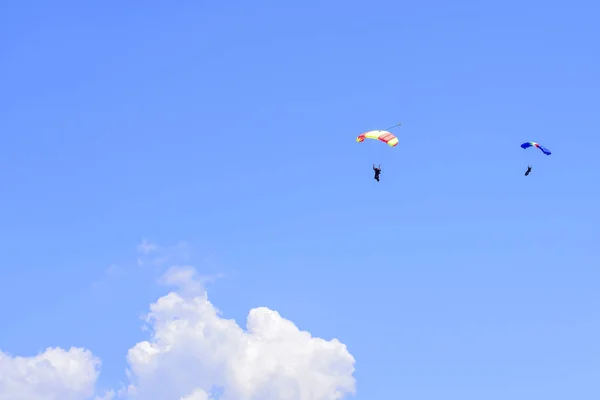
[[393, 126]]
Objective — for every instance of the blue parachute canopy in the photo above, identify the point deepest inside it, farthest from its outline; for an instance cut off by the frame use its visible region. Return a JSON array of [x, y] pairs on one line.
[[539, 146]]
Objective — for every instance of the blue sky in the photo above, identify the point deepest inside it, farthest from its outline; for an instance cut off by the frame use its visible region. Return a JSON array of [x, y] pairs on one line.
[[231, 127]]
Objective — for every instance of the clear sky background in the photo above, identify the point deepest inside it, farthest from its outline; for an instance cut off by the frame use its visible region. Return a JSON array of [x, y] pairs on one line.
[[231, 126]]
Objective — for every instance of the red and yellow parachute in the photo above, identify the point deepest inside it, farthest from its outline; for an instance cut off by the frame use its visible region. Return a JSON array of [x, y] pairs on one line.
[[382, 136]]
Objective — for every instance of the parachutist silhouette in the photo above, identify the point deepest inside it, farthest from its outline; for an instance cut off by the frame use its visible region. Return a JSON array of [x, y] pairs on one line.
[[377, 172]]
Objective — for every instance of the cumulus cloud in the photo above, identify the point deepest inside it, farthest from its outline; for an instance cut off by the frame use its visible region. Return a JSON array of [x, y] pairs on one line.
[[53, 374], [194, 349], [192, 353]]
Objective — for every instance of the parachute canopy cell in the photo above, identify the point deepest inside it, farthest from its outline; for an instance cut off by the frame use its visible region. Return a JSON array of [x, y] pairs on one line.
[[539, 146], [383, 136]]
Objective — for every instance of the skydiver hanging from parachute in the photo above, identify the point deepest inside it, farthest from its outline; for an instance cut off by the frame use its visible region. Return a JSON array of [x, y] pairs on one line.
[[383, 136], [377, 172], [544, 150]]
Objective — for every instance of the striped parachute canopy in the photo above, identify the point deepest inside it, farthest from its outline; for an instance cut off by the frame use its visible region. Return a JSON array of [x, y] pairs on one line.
[[382, 136], [534, 144]]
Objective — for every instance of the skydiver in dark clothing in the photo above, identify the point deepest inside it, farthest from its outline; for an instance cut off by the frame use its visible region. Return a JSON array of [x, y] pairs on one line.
[[377, 172], [528, 170]]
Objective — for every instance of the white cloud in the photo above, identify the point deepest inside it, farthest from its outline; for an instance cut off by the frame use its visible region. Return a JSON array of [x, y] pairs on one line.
[[194, 349], [191, 351], [198, 394], [53, 374], [185, 278]]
